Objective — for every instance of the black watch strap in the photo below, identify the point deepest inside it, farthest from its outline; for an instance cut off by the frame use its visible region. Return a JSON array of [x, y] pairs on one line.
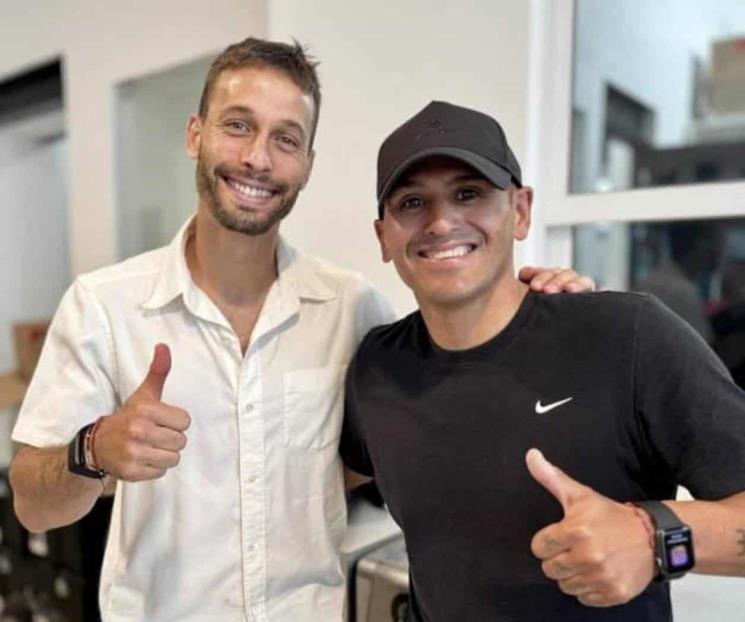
[[76, 456], [663, 516], [673, 541]]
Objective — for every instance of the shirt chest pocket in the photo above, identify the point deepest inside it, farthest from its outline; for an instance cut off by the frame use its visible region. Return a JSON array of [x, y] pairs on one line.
[[313, 406]]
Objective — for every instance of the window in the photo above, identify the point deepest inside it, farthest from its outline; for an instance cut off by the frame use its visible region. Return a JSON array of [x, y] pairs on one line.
[[154, 177], [664, 91], [696, 267], [636, 130]]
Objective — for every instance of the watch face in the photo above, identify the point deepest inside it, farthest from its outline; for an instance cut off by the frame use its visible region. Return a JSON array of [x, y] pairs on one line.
[[678, 550], [678, 556]]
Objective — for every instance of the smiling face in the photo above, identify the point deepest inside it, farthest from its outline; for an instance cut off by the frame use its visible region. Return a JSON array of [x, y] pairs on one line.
[[450, 232], [252, 149]]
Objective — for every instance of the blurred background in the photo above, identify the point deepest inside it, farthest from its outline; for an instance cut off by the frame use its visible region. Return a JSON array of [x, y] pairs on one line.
[[628, 117]]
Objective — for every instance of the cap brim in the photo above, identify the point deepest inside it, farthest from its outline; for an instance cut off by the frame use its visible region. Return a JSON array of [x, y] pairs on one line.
[[494, 173]]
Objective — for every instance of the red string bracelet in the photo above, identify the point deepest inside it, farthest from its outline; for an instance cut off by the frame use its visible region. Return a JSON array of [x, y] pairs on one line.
[[646, 521], [91, 442]]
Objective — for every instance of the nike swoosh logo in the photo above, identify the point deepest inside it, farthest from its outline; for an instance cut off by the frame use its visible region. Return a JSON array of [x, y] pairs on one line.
[[541, 409]]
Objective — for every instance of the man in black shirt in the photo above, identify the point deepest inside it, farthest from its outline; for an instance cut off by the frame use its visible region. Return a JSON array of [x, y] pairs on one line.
[[444, 406]]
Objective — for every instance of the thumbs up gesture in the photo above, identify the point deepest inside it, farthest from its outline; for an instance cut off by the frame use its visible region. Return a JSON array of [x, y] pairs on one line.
[[600, 551], [143, 438]]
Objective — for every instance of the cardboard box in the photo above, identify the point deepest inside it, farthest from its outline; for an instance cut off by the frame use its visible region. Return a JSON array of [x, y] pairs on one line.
[[12, 390], [29, 339], [728, 60], [728, 97]]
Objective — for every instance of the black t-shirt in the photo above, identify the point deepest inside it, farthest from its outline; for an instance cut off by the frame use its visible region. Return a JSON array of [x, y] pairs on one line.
[[445, 435]]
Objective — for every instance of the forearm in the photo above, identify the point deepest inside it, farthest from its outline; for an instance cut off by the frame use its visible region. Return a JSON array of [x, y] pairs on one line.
[[45, 494], [719, 533]]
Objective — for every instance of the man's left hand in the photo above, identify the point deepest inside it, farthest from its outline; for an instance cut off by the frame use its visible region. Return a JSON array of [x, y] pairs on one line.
[[555, 280], [601, 551]]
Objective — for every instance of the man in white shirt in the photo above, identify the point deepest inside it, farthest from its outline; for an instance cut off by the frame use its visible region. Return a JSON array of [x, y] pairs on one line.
[[206, 379]]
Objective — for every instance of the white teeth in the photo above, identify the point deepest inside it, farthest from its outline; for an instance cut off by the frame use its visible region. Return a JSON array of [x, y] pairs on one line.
[[457, 251], [250, 191]]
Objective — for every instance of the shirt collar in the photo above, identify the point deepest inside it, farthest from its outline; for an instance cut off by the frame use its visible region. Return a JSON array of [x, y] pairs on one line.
[[298, 276], [173, 277]]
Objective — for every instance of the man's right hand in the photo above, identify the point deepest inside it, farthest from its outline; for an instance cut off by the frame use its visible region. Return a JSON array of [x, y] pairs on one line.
[[143, 438]]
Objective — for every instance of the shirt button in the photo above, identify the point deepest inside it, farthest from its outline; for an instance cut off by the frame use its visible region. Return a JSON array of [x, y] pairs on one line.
[[249, 407], [251, 548], [251, 479]]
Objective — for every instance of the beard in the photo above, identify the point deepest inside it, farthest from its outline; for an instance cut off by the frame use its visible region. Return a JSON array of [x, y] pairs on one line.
[[248, 222]]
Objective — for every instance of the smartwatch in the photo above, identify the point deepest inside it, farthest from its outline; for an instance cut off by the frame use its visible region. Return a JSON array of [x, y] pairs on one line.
[[77, 455], [673, 541]]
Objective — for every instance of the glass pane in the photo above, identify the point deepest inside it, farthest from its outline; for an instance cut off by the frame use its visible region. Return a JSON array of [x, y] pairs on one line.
[[658, 93], [34, 249], [696, 267], [154, 176]]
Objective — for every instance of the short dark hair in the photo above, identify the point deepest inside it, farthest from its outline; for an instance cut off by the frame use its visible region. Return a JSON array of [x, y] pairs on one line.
[[292, 60]]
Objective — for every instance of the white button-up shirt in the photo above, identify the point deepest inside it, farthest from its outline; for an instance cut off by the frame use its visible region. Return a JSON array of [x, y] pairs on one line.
[[248, 525]]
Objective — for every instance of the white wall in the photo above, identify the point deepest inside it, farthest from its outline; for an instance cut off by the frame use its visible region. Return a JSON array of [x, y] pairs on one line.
[[105, 43], [154, 177], [34, 249], [34, 253], [380, 63]]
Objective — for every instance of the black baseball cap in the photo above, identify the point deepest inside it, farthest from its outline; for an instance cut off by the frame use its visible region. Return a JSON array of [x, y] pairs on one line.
[[443, 129]]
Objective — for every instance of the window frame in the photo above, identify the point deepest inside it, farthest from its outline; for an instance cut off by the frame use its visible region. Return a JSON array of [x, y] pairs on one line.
[[559, 209]]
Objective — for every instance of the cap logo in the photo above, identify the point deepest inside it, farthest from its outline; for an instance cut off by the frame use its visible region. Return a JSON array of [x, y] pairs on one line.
[[434, 125], [448, 131]]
